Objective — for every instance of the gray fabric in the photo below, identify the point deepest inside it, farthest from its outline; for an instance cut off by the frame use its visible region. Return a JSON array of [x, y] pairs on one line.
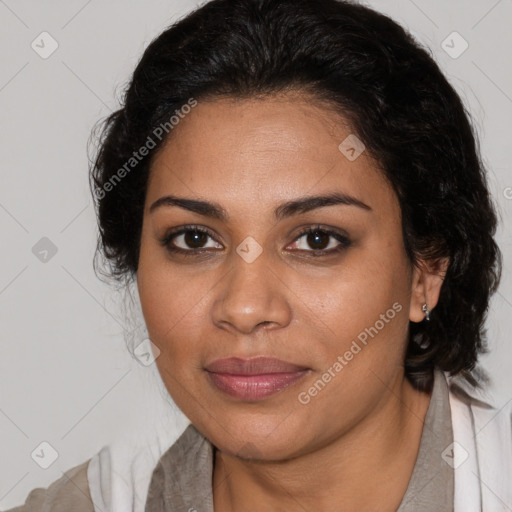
[[431, 486], [70, 493], [182, 479]]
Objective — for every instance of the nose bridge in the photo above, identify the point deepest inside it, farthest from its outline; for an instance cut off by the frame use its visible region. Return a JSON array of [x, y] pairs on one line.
[[250, 293]]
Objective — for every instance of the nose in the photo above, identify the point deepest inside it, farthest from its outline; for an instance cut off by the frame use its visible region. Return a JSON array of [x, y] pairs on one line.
[[250, 296]]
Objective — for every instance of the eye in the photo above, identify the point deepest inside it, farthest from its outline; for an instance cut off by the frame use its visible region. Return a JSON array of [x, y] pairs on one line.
[[189, 239], [321, 241]]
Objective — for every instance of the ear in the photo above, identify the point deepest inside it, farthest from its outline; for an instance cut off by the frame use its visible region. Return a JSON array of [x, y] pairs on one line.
[[427, 279]]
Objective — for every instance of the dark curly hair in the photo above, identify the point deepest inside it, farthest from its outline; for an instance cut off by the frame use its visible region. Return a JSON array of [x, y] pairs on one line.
[[396, 100]]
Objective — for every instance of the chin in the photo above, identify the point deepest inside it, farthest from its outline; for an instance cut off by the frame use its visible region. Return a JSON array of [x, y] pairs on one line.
[[269, 439]]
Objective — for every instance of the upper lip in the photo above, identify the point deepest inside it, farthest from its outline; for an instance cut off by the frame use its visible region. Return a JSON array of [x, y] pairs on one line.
[[253, 366]]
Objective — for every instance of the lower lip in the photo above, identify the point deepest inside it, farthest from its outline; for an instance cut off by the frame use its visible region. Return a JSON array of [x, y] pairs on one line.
[[254, 387]]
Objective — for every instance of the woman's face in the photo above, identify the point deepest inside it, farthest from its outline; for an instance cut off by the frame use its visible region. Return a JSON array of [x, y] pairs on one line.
[[255, 285]]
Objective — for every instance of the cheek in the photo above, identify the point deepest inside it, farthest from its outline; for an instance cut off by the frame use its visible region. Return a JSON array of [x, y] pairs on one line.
[[345, 313], [358, 291], [363, 310], [168, 305], [175, 308]]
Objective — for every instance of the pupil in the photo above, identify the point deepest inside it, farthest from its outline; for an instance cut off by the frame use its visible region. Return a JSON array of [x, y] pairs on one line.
[[195, 238], [314, 239]]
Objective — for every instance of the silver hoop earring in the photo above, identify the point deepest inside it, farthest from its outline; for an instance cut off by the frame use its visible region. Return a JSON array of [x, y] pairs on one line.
[[427, 311]]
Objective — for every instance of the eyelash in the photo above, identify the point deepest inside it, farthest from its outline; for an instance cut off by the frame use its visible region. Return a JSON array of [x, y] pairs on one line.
[[166, 241]]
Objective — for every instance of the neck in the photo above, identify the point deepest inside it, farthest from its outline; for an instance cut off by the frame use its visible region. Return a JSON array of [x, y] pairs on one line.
[[367, 468]]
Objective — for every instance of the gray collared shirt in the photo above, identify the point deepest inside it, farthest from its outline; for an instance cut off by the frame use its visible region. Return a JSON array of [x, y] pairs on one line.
[[431, 486], [182, 479]]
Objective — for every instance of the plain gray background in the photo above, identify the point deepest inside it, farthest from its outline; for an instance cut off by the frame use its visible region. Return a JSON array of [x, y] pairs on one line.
[[66, 377]]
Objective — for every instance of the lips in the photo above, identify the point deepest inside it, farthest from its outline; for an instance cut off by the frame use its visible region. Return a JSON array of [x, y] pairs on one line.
[[253, 379], [254, 366]]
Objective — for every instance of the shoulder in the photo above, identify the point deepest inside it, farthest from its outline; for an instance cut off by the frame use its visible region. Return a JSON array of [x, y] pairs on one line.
[[482, 448], [478, 399], [481, 408], [70, 492]]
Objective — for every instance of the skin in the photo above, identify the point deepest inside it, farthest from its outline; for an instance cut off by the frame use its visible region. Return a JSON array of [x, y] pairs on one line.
[[355, 443]]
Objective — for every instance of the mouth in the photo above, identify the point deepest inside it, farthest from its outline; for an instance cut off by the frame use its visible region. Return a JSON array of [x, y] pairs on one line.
[[253, 379]]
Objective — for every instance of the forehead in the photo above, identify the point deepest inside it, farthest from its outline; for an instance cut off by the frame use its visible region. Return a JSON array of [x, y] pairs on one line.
[[264, 150]]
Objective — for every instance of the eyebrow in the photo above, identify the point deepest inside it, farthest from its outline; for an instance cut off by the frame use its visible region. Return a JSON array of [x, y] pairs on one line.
[[297, 206]]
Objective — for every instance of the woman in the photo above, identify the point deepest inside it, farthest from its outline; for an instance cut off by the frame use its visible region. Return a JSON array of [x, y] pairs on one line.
[[296, 191]]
